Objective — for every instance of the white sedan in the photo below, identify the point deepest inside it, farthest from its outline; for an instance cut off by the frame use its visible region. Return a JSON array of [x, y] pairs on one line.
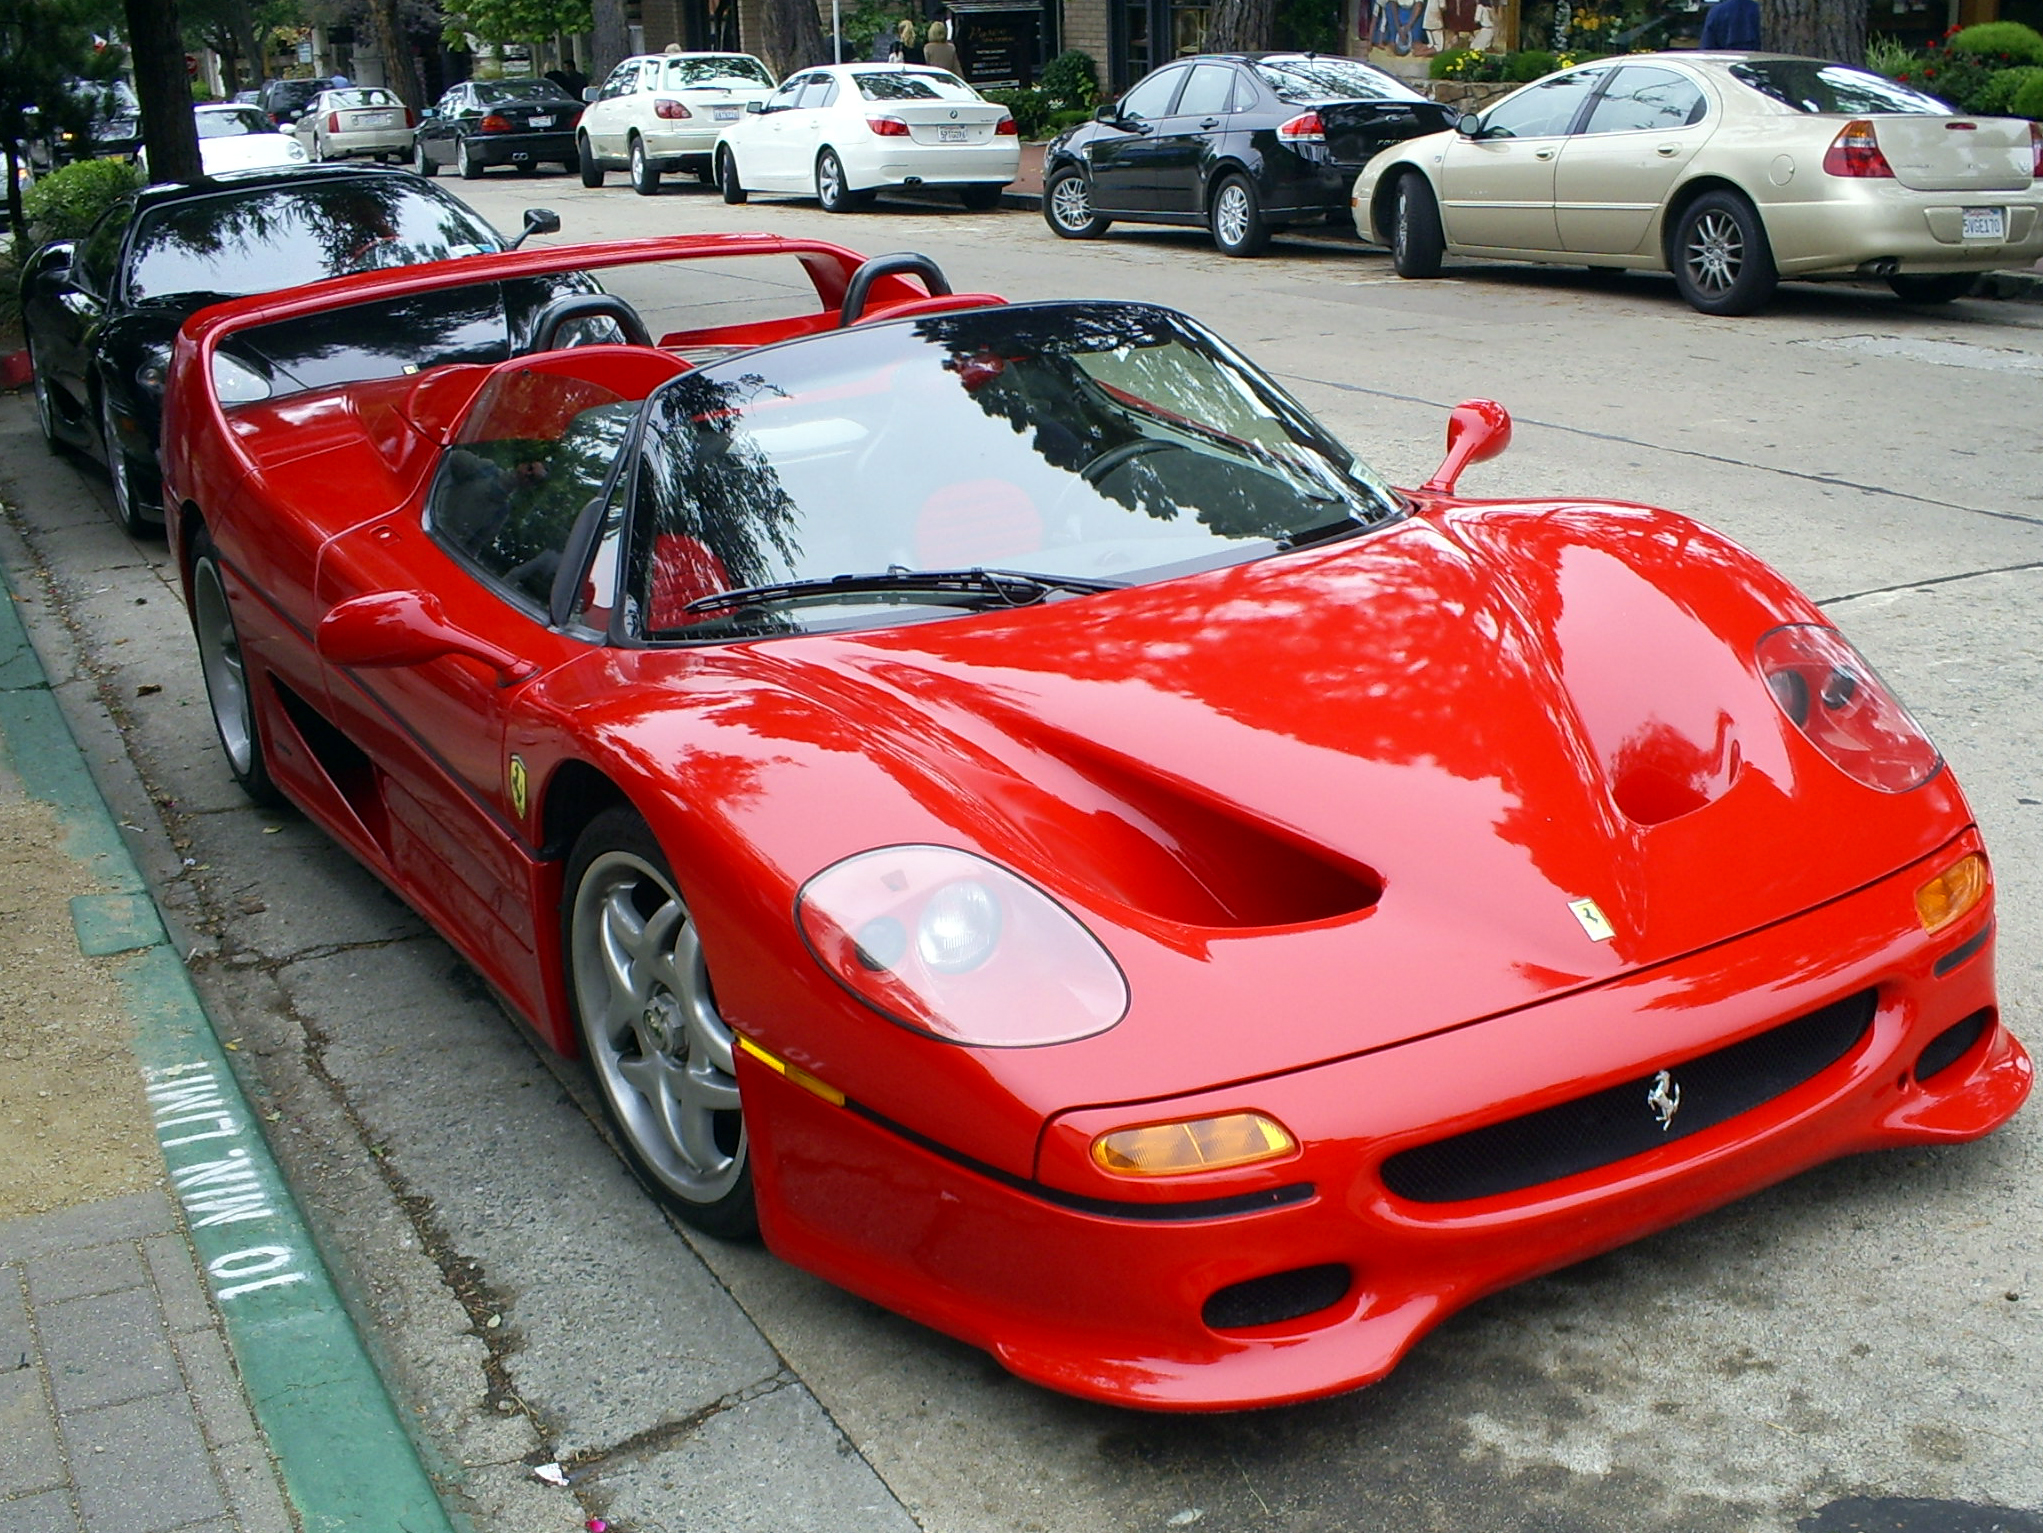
[[663, 111], [843, 131], [361, 121], [237, 137]]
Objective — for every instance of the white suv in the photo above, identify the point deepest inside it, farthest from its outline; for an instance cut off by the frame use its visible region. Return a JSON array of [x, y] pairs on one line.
[[662, 111]]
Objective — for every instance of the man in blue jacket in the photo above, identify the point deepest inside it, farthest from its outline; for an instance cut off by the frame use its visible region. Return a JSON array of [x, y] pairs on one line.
[[1732, 25]]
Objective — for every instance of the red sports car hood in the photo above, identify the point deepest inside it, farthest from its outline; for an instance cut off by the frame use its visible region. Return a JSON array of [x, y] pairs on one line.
[[1341, 798]]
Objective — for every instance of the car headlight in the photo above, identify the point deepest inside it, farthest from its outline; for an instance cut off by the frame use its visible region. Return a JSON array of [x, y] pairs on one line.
[[1842, 708], [294, 150], [960, 948], [236, 383], [154, 369]]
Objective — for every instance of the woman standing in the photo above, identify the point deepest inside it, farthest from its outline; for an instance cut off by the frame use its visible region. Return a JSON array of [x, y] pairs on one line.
[[940, 52]]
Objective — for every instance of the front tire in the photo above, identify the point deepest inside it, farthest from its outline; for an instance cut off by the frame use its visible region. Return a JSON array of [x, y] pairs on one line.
[[227, 689], [585, 162], [1416, 241], [831, 191], [1067, 206], [645, 175], [727, 177], [131, 499], [982, 196], [1236, 218], [45, 406], [1939, 289], [421, 162], [662, 1055], [1722, 262], [471, 162]]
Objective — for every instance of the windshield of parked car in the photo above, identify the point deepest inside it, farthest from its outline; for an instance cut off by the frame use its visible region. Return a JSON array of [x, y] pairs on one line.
[[232, 122], [894, 85], [497, 92], [260, 239], [1090, 444], [727, 69], [1305, 79], [1810, 86], [107, 98]]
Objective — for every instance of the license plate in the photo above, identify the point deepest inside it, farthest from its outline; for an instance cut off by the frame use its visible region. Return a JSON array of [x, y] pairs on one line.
[[729, 113], [376, 120], [541, 122], [950, 135], [1986, 224]]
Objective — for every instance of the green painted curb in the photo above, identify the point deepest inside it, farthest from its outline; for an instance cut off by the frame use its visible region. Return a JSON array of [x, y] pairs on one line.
[[339, 1444]]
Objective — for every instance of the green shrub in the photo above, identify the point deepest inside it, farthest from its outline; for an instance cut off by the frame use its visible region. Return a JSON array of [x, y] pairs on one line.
[[1996, 98], [1030, 109], [2010, 40], [2028, 101], [1065, 117], [1072, 79], [67, 202], [1890, 56], [1529, 65]]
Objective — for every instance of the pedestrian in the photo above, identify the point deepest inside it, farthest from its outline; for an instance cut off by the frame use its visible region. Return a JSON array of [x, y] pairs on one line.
[[907, 50], [940, 52], [1732, 25]]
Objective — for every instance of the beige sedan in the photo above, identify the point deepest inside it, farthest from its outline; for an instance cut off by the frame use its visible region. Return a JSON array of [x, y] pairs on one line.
[[358, 122], [1731, 170]]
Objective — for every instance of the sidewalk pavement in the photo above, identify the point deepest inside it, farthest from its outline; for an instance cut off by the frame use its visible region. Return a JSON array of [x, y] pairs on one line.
[[173, 1355]]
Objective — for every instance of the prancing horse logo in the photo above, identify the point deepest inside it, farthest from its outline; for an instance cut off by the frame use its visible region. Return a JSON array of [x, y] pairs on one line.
[[1664, 1099]]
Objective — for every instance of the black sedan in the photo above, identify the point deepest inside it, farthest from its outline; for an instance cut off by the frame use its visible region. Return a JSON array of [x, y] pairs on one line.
[[100, 313], [1243, 143], [481, 123], [103, 120]]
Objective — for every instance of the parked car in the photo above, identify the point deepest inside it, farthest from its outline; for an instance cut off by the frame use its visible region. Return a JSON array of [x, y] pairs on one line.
[[286, 100], [99, 313], [104, 122], [481, 123], [237, 137], [1731, 170], [845, 131], [891, 753], [663, 112], [360, 122], [1242, 143]]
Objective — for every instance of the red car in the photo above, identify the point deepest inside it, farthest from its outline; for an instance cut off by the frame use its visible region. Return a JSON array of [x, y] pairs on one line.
[[1003, 799]]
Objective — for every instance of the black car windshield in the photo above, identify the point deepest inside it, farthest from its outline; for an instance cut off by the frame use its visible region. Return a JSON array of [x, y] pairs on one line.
[[1817, 88], [1303, 79], [231, 122], [729, 69], [231, 244], [1061, 447], [497, 92]]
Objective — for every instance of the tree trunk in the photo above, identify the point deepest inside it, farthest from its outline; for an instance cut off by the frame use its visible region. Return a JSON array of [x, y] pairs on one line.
[[1820, 29], [794, 36], [398, 71], [1241, 26], [609, 43], [156, 49]]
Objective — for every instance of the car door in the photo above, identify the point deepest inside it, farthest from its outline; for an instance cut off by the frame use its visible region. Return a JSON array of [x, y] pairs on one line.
[[1613, 176], [766, 157], [1184, 141], [440, 140], [609, 114], [306, 128], [1125, 155], [809, 123], [66, 307], [1497, 188]]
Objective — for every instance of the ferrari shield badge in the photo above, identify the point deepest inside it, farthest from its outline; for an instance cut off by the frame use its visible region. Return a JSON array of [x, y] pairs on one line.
[[518, 786], [1593, 920], [1664, 1099]]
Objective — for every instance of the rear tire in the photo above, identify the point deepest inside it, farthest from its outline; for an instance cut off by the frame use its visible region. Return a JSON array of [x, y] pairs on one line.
[[45, 406], [1938, 289], [1236, 218], [645, 175], [585, 162], [831, 191], [982, 197], [421, 162], [727, 177], [471, 162], [226, 677], [1067, 206], [1416, 242], [1722, 262]]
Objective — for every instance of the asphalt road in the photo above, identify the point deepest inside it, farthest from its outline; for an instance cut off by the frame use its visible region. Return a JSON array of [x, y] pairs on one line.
[[1858, 1348]]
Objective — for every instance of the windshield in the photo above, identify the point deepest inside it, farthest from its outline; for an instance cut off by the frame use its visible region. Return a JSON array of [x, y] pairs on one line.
[[1090, 443], [923, 85], [108, 98], [256, 241], [726, 69], [232, 122], [1330, 79], [497, 92], [1809, 86]]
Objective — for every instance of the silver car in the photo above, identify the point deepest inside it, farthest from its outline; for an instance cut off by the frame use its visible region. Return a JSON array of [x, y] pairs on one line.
[[1731, 170]]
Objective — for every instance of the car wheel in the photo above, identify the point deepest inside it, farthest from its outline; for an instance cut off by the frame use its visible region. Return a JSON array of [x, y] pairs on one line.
[[585, 162], [131, 500], [226, 676], [831, 191], [1067, 206], [1940, 289], [1722, 262], [45, 406], [661, 1054], [727, 177], [422, 162], [1416, 243], [1236, 218], [645, 175], [983, 196], [471, 162]]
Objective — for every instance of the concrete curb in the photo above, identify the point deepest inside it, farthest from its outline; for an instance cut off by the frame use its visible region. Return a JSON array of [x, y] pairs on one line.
[[339, 1445]]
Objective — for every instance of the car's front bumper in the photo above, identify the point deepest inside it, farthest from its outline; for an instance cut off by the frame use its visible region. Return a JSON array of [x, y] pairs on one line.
[[1107, 1302]]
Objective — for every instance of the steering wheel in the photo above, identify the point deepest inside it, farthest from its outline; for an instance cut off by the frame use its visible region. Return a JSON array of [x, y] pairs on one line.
[[569, 307], [1127, 452], [901, 263]]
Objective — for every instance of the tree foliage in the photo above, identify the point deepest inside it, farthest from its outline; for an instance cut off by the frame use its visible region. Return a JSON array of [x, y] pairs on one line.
[[518, 21], [44, 45]]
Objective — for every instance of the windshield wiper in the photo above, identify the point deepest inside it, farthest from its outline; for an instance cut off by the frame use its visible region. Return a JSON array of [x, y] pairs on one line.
[[1009, 588]]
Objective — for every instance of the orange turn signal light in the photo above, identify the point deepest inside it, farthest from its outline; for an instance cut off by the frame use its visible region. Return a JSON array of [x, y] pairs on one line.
[[1952, 892], [1199, 1144], [794, 1073]]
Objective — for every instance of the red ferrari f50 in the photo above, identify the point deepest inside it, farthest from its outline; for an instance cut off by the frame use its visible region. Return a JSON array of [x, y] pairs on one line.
[[1003, 799]]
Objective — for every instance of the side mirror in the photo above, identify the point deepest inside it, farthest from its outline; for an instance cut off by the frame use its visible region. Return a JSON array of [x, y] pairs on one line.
[[390, 628], [1468, 125], [537, 221], [1106, 112], [755, 106], [1476, 430], [53, 260], [592, 92]]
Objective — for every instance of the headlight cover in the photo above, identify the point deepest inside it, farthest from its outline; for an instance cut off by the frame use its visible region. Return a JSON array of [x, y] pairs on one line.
[[955, 946], [1842, 708]]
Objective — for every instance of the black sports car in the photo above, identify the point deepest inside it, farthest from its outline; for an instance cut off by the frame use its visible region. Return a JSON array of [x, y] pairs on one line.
[[1243, 143], [100, 313], [481, 123]]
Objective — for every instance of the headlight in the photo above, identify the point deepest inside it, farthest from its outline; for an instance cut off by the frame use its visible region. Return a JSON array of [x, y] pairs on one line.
[[236, 383], [1842, 708], [294, 150], [960, 948], [155, 368]]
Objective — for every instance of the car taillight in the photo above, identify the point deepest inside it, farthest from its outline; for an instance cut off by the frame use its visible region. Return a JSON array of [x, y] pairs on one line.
[[888, 127], [1842, 708], [1856, 152], [673, 111], [497, 124], [333, 122], [1007, 128], [1306, 128], [411, 118], [2036, 143]]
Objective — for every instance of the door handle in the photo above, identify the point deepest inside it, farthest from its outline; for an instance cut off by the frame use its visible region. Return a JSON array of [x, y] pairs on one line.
[[1667, 151], [1210, 122], [1542, 154]]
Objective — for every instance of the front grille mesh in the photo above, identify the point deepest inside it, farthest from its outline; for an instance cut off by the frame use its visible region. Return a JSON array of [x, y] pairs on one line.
[[1621, 1121], [1278, 1297]]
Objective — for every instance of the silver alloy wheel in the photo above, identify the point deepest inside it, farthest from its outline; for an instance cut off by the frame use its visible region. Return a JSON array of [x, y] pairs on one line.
[[661, 1053], [829, 180], [220, 663], [117, 464], [638, 164], [1715, 253], [1231, 213], [45, 407], [1071, 204]]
